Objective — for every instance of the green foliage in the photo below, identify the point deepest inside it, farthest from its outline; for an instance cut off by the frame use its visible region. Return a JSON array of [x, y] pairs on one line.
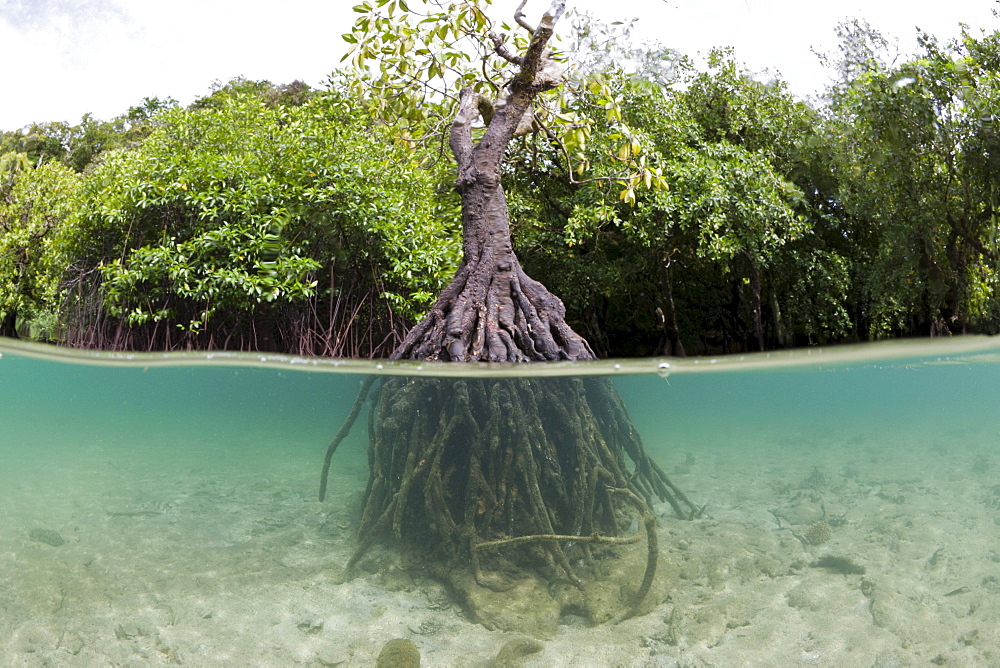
[[726, 155], [730, 199], [412, 58], [916, 155], [11, 164], [77, 146], [239, 203], [34, 212], [813, 286], [649, 195]]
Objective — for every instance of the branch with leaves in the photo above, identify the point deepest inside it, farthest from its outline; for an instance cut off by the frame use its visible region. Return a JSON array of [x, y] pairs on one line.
[[411, 59]]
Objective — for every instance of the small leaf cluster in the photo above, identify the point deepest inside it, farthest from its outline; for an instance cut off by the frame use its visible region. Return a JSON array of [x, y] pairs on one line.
[[411, 58]]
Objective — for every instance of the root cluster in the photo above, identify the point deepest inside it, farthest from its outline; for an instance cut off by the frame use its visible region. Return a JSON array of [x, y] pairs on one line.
[[464, 467]]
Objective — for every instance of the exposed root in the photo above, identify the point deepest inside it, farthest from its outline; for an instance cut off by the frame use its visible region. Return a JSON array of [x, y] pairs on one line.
[[528, 465], [539, 538], [494, 312]]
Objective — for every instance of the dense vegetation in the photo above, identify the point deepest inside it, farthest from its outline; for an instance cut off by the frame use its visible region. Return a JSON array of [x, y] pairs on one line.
[[261, 217], [673, 209]]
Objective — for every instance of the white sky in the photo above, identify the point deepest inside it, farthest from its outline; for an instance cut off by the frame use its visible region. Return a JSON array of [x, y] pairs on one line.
[[63, 58]]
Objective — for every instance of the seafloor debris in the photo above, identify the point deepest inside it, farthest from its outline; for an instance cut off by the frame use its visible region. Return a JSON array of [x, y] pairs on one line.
[[514, 650], [817, 533], [399, 653], [47, 536]]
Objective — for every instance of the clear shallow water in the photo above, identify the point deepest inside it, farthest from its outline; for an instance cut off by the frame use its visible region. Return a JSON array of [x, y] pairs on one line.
[[171, 479]]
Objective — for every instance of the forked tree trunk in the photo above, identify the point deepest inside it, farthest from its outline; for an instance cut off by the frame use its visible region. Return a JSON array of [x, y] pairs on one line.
[[492, 310]]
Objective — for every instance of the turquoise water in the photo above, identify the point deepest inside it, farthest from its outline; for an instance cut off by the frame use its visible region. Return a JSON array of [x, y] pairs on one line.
[[162, 509], [940, 394]]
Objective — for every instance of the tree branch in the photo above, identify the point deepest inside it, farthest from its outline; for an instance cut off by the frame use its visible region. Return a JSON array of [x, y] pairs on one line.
[[534, 57], [519, 18], [470, 104], [502, 50], [486, 109], [533, 77]]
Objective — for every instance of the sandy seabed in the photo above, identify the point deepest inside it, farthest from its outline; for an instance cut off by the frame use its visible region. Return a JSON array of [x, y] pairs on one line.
[[871, 552]]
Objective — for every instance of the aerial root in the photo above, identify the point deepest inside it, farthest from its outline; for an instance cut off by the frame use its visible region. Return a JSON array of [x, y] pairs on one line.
[[652, 548]]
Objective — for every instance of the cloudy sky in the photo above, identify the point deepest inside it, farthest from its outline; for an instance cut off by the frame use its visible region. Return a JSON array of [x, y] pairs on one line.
[[63, 58]]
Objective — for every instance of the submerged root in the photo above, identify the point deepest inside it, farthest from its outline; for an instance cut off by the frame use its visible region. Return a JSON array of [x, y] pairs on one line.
[[345, 429], [652, 552], [461, 468]]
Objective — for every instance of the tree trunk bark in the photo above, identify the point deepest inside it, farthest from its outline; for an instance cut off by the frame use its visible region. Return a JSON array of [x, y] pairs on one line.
[[672, 344], [755, 300], [492, 310]]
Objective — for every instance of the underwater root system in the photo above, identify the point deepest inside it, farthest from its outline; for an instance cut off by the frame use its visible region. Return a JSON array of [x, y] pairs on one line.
[[466, 469]]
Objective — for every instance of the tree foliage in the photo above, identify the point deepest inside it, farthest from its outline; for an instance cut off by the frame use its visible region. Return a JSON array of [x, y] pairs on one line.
[[728, 211], [916, 155], [77, 146], [245, 214], [34, 211]]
